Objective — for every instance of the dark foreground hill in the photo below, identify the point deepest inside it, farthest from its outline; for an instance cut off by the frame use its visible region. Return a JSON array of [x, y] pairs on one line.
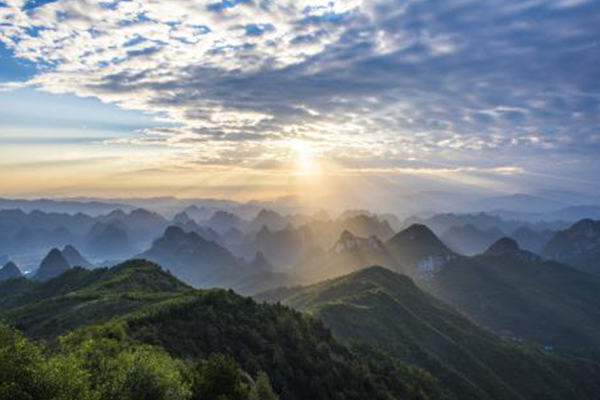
[[578, 246], [138, 304], [519, 295], [386, 309]]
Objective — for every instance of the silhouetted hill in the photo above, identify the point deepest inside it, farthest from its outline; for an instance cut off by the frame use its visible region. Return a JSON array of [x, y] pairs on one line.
[[521, 296], [260, 262], [10, 271], [420, 250], [282, 248], [107, 241], [578, 246], [52, 265], [269, 218], [532, 240], [508, 246], [350, 253], [222, 221], [195, 260], [378, 306], [469, 240], [74, 257]]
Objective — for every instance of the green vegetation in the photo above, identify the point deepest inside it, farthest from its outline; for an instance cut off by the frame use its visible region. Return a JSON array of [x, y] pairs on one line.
[[108, 369], [135, 332], [525, 298], [387, 309]]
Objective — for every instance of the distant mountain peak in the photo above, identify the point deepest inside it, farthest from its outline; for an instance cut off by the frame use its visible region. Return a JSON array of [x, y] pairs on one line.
[[419, 234], [74, 257], [182, 218], [419, 248], [503, 245], [260, 262], [174, 232], [509, 246], [587, 226], [578, 245], [10, 271], [52, 265], [349, 241]]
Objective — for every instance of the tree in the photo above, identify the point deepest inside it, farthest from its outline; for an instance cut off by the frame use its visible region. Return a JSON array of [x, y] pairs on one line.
[[262, 389], [219, 377], [27, 374]]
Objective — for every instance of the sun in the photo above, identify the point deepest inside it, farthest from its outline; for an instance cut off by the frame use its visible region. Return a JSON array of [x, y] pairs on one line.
[[305, 156]]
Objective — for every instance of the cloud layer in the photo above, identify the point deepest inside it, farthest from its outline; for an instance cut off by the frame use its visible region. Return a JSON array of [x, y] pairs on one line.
[[378, 84]]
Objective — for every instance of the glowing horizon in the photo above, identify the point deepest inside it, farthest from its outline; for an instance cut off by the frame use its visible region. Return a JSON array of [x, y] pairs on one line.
[[254, 99]]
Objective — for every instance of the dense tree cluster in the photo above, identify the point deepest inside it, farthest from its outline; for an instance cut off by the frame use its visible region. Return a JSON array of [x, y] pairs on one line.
[[109, 369]]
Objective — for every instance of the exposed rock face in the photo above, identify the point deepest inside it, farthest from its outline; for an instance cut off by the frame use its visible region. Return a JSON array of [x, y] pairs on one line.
[[418, 248], [349, 242]]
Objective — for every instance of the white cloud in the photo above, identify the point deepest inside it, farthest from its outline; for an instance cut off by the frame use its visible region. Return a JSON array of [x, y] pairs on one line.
[[361, 79]]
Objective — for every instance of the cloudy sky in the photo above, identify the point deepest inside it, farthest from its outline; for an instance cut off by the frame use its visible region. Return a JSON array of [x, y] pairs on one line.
[[267, 98]]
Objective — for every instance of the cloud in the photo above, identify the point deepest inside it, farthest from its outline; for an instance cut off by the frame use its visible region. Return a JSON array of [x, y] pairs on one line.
[[481, 84]]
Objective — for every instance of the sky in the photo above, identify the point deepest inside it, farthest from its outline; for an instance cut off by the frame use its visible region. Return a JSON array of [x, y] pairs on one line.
[[321, 99]]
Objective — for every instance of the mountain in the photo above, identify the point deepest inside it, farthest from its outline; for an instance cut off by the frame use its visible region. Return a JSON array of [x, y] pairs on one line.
[[283, 248], [420, 250], [195, 260], [269, 218], [532, 240], [378, 306], [233, 236], [508, 246], [137, 304], [578, 246], [470, 240], [350, 253], [52, 265], [108, 240], [140, 225], [190, 225], [575, 213], [74, 257], [222, 221], [260, 262], [519, 295], [198, 213], [181, 218], [10, 271], [45, 309], [62, 206]]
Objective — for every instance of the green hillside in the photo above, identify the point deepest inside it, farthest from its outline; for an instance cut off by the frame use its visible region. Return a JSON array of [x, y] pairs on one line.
[[383, 308], [136, 307], [79, 297], [525, 298]]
